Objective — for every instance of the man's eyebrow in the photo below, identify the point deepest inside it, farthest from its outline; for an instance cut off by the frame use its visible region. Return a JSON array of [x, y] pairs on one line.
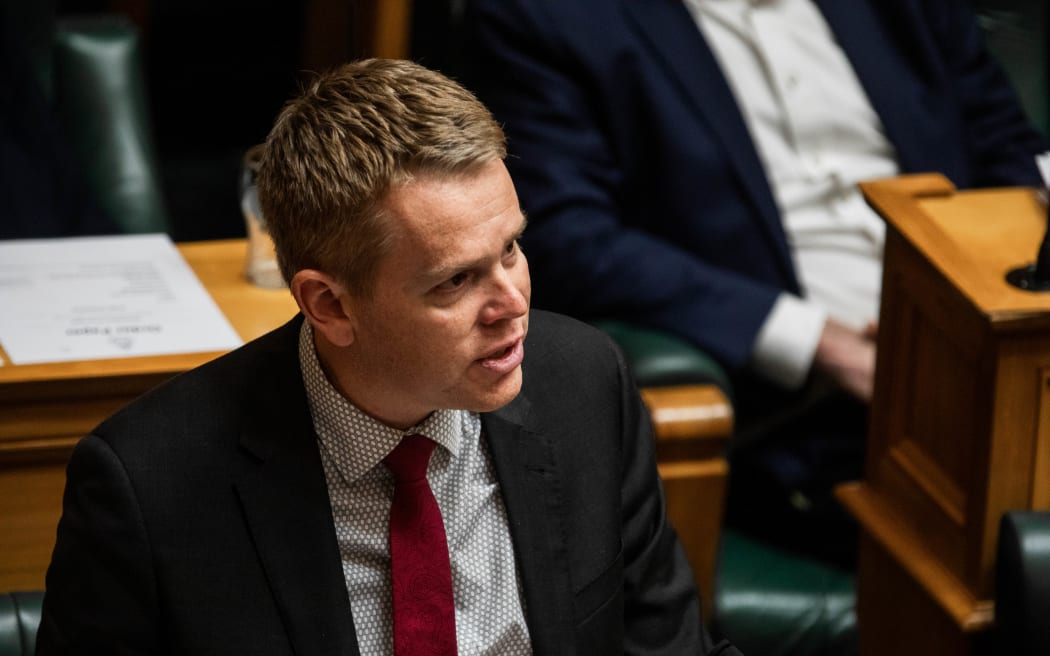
[[448, 270], [524, 224]]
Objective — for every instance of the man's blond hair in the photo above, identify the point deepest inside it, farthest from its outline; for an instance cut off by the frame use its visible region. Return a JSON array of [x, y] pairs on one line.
[[337, 149]]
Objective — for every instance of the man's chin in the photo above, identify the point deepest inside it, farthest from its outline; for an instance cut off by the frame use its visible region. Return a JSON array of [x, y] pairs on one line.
[[499, 395]]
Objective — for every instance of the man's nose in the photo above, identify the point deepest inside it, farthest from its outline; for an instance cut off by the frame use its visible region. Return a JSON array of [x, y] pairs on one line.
[[510, 295]]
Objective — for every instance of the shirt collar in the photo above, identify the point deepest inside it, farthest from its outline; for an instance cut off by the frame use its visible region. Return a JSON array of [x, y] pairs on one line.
[[362, 440]]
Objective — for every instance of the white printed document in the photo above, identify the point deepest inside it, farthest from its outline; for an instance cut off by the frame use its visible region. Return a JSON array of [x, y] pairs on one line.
[[87, 298]]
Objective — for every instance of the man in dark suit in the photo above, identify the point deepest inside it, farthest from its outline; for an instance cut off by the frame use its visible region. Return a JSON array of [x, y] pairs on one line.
[[691, 165], [243, 507]]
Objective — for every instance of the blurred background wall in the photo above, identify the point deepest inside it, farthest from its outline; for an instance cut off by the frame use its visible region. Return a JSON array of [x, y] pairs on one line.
[[218, 71]]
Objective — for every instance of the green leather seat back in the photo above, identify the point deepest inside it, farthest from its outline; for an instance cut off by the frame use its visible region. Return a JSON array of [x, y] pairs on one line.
[[1018, 34], [1022, 583], [658, 359], [19, 619], [99, 95], [770, 602]]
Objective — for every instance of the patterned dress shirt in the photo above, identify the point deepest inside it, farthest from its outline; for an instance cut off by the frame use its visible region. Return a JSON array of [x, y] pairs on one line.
[[490, 617]]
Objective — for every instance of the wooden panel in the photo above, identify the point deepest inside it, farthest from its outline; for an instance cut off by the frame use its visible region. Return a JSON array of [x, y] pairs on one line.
[[328, 36], [960, 428], [907, 549], [941, 422], [30, 505], [694, 419], [383, 28], [935, 443], [692, 425], [1010, 452], [1040, 495], [896, 616], [695, 493], [931, 404], [393, 20]]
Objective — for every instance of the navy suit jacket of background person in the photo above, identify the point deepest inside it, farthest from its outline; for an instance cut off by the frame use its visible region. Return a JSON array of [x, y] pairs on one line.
[[646, 197], [197, 519]]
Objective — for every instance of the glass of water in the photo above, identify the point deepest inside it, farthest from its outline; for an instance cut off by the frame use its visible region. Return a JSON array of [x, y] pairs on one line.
[[261, 267]]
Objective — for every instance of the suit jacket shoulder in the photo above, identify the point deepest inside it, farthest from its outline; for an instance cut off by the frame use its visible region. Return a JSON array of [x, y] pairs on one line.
[[575, 460], [203, 496]]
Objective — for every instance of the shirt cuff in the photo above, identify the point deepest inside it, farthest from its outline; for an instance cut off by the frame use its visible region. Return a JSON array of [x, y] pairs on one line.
[[787, 342]]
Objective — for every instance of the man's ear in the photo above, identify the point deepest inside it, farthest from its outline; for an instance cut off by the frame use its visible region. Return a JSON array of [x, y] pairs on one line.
[[324, 303]]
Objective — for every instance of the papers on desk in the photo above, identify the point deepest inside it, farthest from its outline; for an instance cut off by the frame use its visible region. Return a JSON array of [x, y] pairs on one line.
[[104, 297]]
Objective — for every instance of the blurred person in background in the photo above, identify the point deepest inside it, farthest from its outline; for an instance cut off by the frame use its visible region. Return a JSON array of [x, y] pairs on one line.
[[692, 165]]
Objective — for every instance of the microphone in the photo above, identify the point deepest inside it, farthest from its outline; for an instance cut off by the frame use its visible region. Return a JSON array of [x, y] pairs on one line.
[[1036, 277]]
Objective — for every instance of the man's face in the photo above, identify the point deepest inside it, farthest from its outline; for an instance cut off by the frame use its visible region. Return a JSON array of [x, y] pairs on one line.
[[445, 324]]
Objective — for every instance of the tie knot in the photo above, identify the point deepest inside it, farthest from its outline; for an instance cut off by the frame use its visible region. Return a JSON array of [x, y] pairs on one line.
[[409, 459]]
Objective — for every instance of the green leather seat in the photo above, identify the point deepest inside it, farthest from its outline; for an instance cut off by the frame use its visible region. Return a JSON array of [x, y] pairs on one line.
[[99, 95], [19, 619], [88, 69], [771, 602], [1018, 34], [1022, 583], [660, 359]]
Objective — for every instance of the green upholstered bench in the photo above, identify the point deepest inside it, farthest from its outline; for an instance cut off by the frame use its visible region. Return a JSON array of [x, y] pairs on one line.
[[99, 95], [765, 600], [88, 68], [659, 359], [1018, 35], [1022, 583], [19, 619], [773, 603]]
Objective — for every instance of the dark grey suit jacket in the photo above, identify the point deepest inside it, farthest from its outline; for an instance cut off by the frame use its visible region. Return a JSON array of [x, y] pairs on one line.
[[197, 521]]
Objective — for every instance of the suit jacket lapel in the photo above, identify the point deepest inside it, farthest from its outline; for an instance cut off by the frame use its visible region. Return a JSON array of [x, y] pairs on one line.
[[670, 31], [285, 499], [895, 71], [529, 480]]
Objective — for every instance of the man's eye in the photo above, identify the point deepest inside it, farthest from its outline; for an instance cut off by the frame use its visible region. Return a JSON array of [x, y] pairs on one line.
[[453, 283], [510, 247]]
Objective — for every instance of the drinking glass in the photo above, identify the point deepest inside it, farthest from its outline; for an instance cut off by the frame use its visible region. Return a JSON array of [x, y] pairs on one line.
[[261, 267]]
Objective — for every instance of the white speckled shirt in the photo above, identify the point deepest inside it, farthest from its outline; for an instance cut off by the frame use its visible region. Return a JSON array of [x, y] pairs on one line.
[[490, 616], [817, 136]]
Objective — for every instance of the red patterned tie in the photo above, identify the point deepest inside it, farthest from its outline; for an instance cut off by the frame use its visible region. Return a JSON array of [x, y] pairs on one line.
[[424, 613]]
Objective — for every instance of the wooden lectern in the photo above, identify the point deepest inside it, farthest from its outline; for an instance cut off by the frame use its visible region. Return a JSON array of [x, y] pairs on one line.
[[960, 418]]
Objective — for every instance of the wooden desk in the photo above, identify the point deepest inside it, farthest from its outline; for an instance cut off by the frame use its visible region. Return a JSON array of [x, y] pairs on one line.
[[960, 417], [46, 408]]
